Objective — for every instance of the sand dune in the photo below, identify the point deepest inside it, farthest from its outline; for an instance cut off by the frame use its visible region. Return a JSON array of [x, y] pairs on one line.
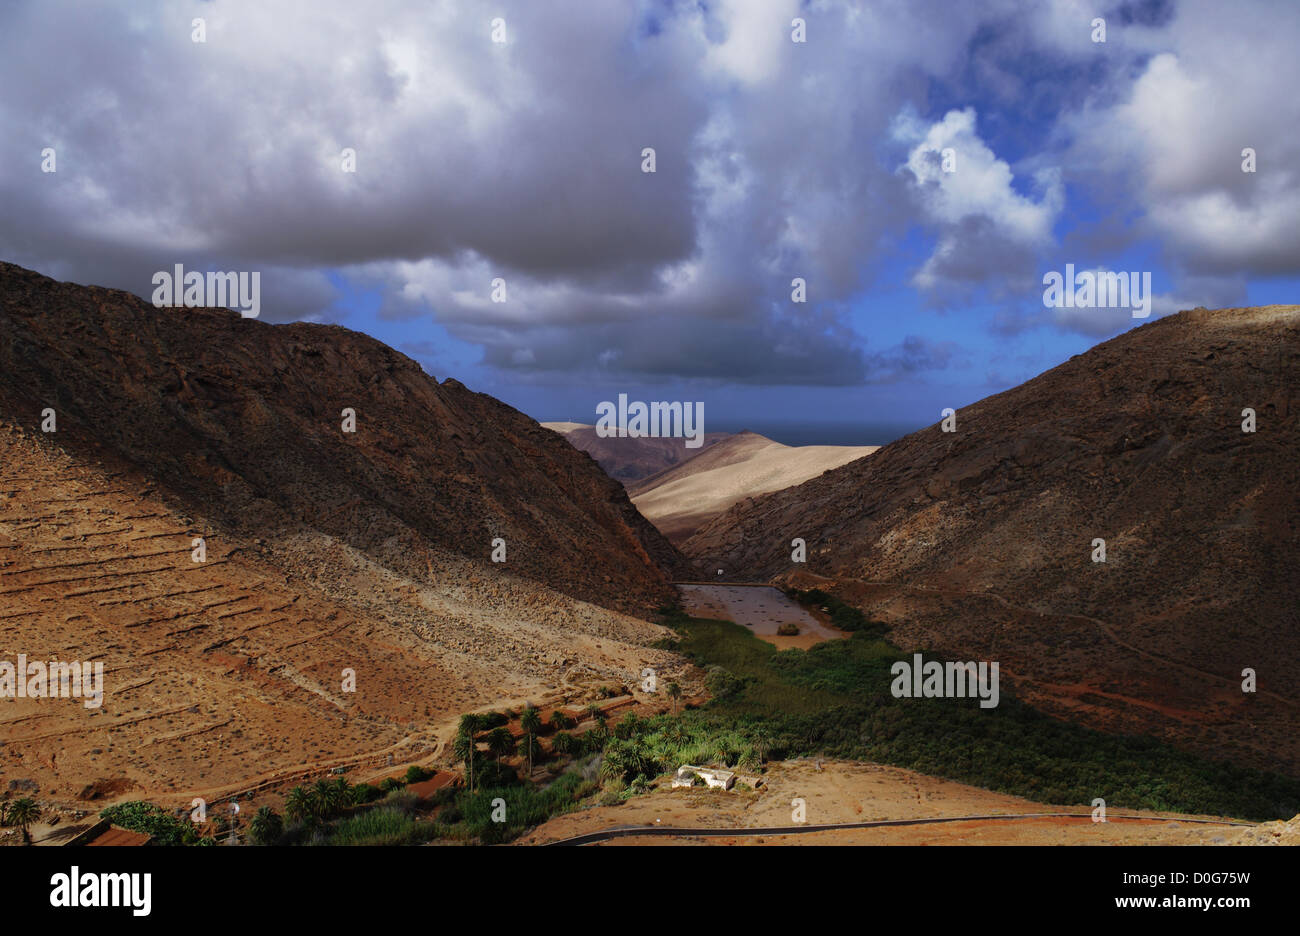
[[681, 499]]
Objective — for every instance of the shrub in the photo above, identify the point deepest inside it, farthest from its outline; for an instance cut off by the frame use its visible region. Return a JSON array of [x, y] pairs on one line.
[[266, 827], [384, 825], [842, 615], [152, 820], [722, 683], [364, 793]]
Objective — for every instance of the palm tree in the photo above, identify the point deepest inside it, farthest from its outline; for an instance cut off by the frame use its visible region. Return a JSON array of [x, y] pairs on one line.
[[561, 720], [346, 795], [631, 725], [465, 747], [621, 760], [674, 693], [531, 721], [530, 748], [500, 743], [266, 827], [593, 710], [462, 748], [23, 813], [300, 804], [594, 739], [563, 743], [328, 798]]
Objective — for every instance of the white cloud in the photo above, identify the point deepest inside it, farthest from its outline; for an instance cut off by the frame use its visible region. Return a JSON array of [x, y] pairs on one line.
[[975, 201]]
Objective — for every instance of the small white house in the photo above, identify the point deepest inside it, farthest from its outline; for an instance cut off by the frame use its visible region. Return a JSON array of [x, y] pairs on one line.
[[712, 777]]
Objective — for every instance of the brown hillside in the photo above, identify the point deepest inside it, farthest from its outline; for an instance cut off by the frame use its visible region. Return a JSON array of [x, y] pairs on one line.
[[979, 542], [325, 552], [245, 419], [630, 460]]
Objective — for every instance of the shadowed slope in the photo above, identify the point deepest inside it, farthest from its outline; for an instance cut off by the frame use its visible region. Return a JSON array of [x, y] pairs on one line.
[[980, 541]]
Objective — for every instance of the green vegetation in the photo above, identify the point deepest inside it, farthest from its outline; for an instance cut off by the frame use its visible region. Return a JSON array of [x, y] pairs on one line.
[[834, 700], [844, 616], [561, 720], [525, 805], [366, 793], [831, 700], [382, 825], [530, 720], [153, 820], [22, 813], [266, 827]]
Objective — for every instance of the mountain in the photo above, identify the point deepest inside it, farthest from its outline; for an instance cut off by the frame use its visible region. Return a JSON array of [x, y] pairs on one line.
[[627, 459], [248, 419], [684, 497], [979, 543], [342, 606]]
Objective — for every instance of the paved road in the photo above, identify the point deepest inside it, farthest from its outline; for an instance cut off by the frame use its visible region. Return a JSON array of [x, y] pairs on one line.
[[605, 835]]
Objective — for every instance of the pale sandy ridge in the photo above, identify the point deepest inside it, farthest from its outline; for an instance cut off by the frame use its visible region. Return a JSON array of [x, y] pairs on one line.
[[681, 499]]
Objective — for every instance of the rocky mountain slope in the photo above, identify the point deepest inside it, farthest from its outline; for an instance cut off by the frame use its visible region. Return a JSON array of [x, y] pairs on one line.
[[630, 460], [247, 419], [980, 542], [345, 610], [681, 499]]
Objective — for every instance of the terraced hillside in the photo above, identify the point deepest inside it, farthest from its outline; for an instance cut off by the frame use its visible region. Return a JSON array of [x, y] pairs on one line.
[[222, 672]]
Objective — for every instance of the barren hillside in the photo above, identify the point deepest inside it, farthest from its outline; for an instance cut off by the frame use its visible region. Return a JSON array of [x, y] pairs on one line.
[[629, 460], [328, 555], [247, 420], [981, 541]]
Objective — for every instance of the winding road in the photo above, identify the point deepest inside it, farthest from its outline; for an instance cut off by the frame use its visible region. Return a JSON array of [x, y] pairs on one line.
[[592, 838]]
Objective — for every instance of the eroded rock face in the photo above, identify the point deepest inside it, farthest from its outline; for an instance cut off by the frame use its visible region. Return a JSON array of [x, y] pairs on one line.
[[981, 540], [244, 420]]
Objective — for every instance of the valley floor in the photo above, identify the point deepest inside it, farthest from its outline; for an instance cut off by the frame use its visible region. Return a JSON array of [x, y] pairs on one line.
[[847, 792]]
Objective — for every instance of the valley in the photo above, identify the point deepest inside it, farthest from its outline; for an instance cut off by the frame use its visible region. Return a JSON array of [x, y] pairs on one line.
[[277, 598]]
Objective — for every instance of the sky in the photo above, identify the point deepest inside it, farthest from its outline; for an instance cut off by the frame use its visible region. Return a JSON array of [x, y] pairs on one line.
[[505, 141]]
